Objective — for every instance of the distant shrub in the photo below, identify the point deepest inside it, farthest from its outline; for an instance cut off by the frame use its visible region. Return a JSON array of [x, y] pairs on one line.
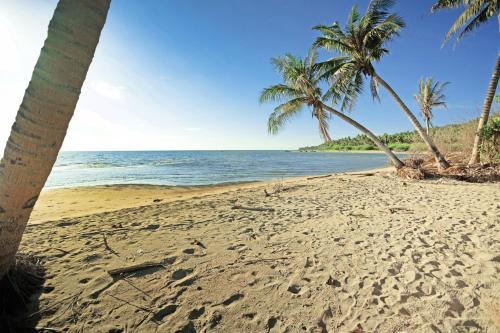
[[399, 146], [490, 146]]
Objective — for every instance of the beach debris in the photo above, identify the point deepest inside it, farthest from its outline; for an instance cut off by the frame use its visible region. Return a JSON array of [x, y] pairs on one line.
[[157, 200], [134, 268], [411, 173], [322, 176], [393, 210], [117, 225], [258, 209], [365, 174], [106, 245]]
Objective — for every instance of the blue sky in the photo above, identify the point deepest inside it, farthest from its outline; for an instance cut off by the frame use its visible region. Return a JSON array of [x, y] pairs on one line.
[[187, 74]]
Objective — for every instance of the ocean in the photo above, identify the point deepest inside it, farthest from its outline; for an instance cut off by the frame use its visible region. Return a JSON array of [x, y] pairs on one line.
[[180, 168]]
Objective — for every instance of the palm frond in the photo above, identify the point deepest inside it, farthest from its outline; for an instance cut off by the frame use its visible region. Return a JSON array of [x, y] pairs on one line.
[[278, 93], [374, 89], [475, 13], [322, 116], [283, 113]]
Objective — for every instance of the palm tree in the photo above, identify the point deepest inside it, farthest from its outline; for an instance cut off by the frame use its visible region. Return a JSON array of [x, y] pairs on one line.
[[476, 12], [43, 117], [361, 43], [300, 88], [430, 95]]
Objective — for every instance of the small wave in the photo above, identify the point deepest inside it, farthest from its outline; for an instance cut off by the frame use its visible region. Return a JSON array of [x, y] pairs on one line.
[[102, 165], [171, 162]]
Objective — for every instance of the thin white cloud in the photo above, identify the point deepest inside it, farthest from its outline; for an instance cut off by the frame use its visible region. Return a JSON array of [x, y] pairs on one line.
[[109, 90]]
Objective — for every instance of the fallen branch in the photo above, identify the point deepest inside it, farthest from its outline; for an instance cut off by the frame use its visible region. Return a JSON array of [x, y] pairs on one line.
[[106, 245], [258, 209], [50, 329], [131, 304], [134, 268], [324, 176], [362, 174], [397, 209]]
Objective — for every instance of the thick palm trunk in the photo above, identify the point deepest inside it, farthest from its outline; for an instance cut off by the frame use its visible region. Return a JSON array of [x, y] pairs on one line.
[[485, 114], [43, 117], [427, 125], [440, 160], [394, 159]]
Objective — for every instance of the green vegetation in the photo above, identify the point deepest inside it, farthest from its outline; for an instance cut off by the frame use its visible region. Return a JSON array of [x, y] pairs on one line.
[[451, 138], [490, 147], [397, 142]]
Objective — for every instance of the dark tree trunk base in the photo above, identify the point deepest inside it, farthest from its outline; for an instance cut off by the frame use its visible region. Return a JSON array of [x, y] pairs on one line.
[[19, 291]]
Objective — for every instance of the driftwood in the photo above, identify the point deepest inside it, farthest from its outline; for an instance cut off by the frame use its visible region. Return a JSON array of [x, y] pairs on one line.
[[258, 209], [393, 210], [315, 177], [366, 174], [134, 268]]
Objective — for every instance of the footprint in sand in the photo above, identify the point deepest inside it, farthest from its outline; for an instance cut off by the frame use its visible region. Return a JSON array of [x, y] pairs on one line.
[[196, 313], [167, 310], [273, 325], [233, 298], [181, 273]]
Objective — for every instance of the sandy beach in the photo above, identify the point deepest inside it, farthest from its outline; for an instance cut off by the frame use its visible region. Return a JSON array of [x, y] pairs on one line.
[[365, 251]]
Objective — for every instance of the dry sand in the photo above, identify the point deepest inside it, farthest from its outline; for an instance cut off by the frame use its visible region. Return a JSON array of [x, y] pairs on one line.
[[336, 253]]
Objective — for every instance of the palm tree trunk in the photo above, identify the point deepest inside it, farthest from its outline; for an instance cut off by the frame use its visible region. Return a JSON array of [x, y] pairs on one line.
[[44, 115], [474, 159], [394, 159], [440, 160], [427, 125]]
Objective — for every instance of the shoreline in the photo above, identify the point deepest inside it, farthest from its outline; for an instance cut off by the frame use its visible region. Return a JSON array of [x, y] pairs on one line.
[[72, 202]]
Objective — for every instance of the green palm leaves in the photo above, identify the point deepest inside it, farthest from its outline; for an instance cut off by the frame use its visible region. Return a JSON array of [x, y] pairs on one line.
[[430, 95], [361, 42], [476, 12], [300, 88]]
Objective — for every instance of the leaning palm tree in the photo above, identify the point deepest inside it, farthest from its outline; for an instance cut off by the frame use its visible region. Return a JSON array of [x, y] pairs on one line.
[[476, 12], [300, 89], [360, 44], [430, 95], [43, 117]]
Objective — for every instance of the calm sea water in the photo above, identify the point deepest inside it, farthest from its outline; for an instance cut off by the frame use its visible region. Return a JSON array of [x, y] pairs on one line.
[[199, 167]]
